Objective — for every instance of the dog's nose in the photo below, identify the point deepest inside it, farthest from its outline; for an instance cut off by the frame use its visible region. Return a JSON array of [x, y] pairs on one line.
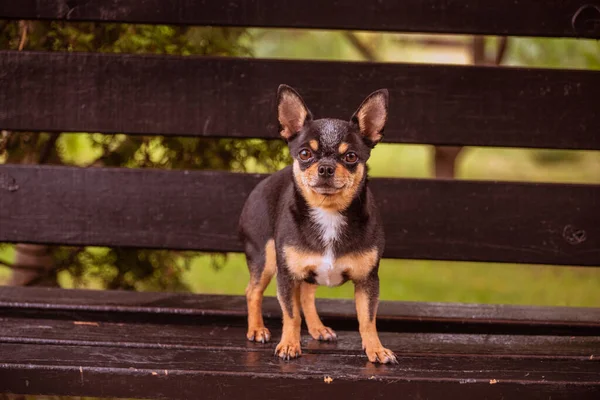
[[326, 170]]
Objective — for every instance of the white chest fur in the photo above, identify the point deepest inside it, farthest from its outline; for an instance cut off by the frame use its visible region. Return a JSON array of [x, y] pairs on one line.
[[330, 225]]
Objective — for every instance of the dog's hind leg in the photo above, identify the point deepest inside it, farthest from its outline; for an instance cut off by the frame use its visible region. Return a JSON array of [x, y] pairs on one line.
[[260, 276]]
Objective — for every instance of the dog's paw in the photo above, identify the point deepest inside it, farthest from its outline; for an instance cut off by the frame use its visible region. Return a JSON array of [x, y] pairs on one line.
[[258, 334], [381, 355], [287, 349], [323, 333]]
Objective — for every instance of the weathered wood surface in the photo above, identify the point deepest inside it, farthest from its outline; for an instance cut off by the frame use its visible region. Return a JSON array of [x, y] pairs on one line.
[[225, 374], [424, 219], [168, 95], [104, 354], [180, 308], [230, 336], [570, 18]]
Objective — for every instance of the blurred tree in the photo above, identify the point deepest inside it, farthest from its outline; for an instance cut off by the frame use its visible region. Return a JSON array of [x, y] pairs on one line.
[[124, 268]]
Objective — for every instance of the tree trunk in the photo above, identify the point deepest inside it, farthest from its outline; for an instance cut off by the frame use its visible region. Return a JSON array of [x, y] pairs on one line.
[[445, 156], [34, 266]]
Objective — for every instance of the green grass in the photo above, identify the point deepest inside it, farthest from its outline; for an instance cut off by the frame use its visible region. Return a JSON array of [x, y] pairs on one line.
[[6, 255], [437, 281]]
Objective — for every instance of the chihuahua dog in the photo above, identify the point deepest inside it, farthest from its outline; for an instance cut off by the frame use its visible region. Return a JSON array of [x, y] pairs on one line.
[[316, 223]]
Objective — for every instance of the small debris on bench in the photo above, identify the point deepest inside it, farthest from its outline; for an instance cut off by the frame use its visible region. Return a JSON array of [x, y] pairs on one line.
[[86, 323], [493, 381], [328, 379]]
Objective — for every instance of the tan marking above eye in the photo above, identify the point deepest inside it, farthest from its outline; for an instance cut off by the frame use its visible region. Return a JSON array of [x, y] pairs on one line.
[[343, 147], [314, 145]]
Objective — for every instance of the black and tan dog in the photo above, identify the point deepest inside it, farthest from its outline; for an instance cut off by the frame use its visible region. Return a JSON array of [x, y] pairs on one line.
[[316, 223]]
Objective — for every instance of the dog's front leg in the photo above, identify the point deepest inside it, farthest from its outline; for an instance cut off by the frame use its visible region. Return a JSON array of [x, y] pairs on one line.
[[288, 294], [366, 295]]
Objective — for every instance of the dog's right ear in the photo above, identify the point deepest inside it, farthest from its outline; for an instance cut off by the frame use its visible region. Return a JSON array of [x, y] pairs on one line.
[[291, 112]]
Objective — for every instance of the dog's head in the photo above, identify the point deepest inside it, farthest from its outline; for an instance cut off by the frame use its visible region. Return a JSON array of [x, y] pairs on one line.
[[330, 155]]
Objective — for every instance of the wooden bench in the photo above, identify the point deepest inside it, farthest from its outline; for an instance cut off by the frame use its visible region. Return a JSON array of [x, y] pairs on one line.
[[180, 346]]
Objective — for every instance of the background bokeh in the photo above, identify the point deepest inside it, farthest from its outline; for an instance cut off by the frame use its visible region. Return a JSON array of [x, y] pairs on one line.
[[412, 280]]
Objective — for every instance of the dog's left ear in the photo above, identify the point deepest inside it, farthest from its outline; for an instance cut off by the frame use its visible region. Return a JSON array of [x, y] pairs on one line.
[[371, 116]]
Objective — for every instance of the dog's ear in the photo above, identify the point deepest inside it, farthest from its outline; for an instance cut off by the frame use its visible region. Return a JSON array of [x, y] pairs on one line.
[[291, 112], [371, 116]]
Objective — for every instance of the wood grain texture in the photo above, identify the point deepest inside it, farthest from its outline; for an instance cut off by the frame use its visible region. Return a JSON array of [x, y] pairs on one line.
[[500, 17], [61, 350], [168, 95], [424, 219], [182, 374], [120, 306], [232, 336]]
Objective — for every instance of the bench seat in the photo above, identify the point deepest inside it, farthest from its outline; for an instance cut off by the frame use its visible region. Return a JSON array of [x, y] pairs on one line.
[[170, 345]]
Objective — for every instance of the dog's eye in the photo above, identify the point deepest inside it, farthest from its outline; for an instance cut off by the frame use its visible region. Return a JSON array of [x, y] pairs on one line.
[[351, 158], [305, 155]]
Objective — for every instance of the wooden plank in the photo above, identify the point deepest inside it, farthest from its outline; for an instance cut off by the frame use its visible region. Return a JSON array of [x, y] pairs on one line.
[[231, 336], [167, 95], [181, 374], [424, 219], [121, 306], [501, 17]]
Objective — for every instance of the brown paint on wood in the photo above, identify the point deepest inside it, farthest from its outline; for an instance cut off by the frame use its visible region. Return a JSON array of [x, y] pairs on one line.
[[522, 18], [457, 113], [44, 329], [423, 219], [196, 371], [392, 315]]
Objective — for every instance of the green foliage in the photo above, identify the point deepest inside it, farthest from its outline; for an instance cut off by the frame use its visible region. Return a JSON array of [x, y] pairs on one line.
[[124, 38], [555, 53], [132, 268]]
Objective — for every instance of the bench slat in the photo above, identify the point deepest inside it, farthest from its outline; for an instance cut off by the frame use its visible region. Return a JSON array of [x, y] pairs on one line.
[[182, 374], [167, 95], [232, 336], [504, 17], [424, 219], [54, 351], [121, 306]]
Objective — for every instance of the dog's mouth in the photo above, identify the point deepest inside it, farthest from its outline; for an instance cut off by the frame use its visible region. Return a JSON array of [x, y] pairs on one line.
[[326, 190]]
